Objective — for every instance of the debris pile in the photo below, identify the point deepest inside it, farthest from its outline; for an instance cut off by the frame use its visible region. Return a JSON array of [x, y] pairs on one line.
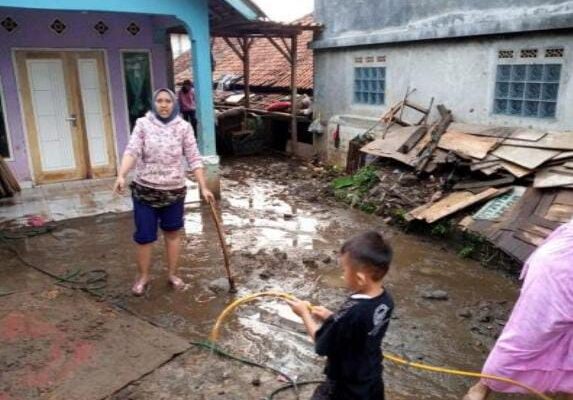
[[524, 176]]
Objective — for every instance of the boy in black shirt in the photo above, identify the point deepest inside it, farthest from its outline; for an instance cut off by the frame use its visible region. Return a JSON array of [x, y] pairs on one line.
[[351, 338]]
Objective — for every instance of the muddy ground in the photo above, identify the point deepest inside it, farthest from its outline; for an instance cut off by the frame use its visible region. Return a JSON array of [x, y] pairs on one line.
[[284, 235]]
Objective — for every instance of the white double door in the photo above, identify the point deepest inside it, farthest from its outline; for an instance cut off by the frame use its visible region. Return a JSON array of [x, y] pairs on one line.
[[67, 114]]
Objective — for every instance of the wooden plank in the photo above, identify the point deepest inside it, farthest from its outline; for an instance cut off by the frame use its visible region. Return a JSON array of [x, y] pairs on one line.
[[564, 197], [466, 222], [492, 169], [436, 133], [515, 170], [415, 136], [546, 201], [544, 223], [455, 202], [533, 238], [528, 135], [554, 141], [387, 148], [556, 163], [498, 132], [562, 156], [413, 214], [561, 170], [535, 229], [480, 166], [529, 158], [480, 184], [560, 213], [547, 178], [417, 107], [488, 161], [515, 247], [468, 145]]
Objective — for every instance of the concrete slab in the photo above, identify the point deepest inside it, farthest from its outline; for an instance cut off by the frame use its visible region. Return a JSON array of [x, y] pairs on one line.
[[59, 344], [69, 200]]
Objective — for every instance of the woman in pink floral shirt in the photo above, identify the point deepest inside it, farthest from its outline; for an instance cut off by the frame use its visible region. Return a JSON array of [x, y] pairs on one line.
[[159, 143]]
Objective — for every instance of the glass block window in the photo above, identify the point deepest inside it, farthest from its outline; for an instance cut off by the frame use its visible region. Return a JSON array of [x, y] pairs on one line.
[[527, 90], [369, 85]]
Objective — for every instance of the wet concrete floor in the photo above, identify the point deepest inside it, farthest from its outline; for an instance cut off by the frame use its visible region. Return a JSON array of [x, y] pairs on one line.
[[280, 242]]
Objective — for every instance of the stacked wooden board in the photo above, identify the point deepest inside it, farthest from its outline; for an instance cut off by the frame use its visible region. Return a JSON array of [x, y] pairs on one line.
[[525, 176], [8, 183]]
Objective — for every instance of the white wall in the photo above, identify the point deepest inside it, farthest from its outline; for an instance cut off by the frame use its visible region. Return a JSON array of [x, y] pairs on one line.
[[458, 73]]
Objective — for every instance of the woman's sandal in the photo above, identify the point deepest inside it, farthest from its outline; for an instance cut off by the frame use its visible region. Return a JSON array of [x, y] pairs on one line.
[[176, 282], [139, 287]]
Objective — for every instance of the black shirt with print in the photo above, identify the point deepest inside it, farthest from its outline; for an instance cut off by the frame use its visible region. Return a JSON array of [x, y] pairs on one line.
[[351, 339]]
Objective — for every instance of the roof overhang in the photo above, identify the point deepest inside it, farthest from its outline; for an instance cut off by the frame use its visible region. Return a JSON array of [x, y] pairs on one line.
[[246, 8]]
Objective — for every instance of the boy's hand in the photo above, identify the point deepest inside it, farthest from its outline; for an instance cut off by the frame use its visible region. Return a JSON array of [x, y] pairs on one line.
[[299, 307], [321, 313]]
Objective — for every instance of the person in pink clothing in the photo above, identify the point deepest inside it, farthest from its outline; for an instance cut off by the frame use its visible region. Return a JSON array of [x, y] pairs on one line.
[[160, 142], [186, 98], [536, 346]]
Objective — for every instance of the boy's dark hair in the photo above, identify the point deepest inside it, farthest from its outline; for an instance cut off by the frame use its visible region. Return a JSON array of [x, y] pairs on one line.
[[369, 250]]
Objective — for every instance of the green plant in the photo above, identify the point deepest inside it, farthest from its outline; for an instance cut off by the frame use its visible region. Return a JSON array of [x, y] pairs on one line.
[[365, 178], [467, 251], [442, 229], [362, 181], [368, 207], [399, 216], [344, 182]]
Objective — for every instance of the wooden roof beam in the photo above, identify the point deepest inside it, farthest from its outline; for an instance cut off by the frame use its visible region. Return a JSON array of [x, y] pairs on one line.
[[285, 53]]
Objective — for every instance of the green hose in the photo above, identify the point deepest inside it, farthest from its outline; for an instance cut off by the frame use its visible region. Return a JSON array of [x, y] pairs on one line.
[[219, 351]]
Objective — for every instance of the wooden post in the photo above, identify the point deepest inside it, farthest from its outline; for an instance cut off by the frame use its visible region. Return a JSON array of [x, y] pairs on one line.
[[246, 45], [294, 108]]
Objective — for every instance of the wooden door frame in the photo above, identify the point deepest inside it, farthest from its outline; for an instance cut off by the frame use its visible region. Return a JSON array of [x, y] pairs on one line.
[[69, 58], [105, 99]]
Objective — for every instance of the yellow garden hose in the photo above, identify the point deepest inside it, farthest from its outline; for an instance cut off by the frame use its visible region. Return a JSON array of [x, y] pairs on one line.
[[398, 360]]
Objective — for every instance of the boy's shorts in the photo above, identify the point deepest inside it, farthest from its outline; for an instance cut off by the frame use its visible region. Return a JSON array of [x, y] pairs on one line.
[[148, 219], [332, 390]]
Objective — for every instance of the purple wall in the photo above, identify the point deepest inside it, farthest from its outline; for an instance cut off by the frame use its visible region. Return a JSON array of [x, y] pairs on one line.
[[34, 32]]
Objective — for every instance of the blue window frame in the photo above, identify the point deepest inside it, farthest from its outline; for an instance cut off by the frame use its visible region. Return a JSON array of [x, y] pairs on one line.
[[527, 90], [369, 85]]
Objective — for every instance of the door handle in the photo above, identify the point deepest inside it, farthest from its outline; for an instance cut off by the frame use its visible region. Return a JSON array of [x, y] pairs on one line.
[[73, 119]]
